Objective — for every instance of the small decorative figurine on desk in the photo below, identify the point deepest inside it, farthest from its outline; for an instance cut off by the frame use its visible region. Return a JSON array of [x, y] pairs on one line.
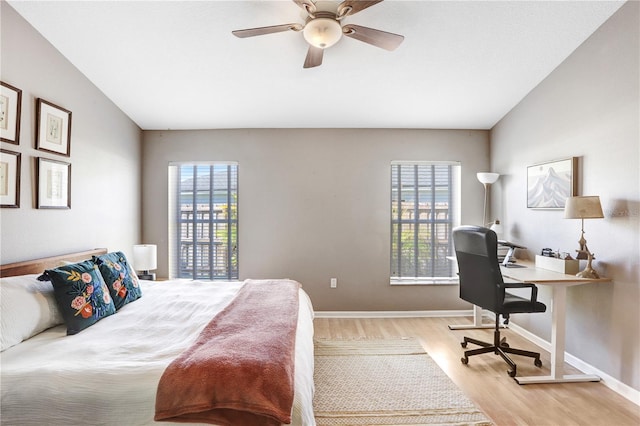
[[588, 271]]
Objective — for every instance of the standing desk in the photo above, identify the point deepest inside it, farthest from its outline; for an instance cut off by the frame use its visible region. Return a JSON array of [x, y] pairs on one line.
[[558, 283]]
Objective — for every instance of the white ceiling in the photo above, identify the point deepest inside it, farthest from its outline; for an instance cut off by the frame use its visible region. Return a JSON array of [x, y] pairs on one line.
[[176, 65]]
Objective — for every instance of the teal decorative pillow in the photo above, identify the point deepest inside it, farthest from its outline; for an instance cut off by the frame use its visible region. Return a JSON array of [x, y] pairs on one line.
[[120, 278], [81, 294]]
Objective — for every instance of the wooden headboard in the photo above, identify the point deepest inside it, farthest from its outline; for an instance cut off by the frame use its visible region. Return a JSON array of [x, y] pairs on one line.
[[37, 266]]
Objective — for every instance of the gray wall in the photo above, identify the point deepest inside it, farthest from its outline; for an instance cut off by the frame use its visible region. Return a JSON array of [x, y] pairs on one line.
[[105, 155], [315, 204], [587, 108]]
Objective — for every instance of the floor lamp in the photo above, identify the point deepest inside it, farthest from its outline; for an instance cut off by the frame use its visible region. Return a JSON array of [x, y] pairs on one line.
[[485, 179]]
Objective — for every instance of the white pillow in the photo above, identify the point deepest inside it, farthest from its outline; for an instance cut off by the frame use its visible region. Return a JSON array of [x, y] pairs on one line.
[[27, 307]]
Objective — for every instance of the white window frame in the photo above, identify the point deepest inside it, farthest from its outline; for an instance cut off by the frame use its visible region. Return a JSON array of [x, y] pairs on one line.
[[397, 221], [203, 241]]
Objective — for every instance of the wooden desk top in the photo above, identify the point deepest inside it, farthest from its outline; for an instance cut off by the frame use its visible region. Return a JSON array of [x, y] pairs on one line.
[[543, 276]]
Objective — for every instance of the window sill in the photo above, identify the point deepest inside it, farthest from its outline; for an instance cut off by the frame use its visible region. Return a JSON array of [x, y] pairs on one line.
[[424, 281]]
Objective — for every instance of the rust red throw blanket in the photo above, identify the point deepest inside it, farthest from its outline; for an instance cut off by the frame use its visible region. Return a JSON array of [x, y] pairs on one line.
[[240, 370]]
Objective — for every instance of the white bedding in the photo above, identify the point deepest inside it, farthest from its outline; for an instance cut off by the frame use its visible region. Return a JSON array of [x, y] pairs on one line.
[[108, 373]]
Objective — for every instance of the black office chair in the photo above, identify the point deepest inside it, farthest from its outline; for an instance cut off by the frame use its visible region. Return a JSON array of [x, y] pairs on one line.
[[481, 283]]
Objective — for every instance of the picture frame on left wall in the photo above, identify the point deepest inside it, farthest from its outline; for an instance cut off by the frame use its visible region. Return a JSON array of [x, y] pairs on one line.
[[53, 128], [53, 180], [10, 109], [9, 179]]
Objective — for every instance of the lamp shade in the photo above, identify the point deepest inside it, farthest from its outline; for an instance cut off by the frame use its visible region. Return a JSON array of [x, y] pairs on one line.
[[497, 227], [145, 257], [583, 207], [322, 32], [486, 177]]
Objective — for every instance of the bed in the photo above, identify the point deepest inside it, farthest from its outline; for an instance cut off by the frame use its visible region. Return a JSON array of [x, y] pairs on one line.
[[110, 372]]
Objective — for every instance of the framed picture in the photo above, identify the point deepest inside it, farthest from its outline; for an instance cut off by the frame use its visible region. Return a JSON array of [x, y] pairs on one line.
[[550, 184], [10, 104], [53, 128], [9, 178], [54, 184]]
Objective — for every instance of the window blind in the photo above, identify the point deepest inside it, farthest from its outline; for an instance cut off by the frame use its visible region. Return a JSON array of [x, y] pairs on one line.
[[203, 220], [425, 207]]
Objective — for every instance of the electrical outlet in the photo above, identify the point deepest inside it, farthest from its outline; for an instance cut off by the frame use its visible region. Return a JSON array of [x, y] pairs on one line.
[[334, 282]]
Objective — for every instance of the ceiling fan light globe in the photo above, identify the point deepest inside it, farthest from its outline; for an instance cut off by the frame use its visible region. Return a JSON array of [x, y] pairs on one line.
[[322, 32]]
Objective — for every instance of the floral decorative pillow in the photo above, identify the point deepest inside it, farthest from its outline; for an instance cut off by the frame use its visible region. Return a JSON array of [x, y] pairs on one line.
[[120, 278], [81, 294]]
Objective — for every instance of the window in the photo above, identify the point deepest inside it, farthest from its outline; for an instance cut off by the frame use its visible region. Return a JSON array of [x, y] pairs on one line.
[[425, 208], [203, 221]]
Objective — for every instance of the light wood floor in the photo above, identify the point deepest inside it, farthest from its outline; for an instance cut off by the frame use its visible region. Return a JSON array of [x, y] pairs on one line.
[[485, 379]]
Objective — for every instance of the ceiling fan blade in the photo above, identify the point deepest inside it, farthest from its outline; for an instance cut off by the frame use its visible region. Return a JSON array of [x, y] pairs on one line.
[[378, 38], [314, 57], [355, 6], [252, 32]]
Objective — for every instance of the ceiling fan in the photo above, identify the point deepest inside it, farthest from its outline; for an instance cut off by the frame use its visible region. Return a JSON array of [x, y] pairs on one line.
[[323, 28]]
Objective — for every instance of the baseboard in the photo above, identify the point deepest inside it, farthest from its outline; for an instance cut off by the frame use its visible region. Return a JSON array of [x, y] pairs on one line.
[[612, 383], [391, 314]]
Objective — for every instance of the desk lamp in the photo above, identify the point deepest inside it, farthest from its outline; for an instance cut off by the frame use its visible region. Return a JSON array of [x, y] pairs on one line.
[[584, 207], [496, 227], [145, 259]]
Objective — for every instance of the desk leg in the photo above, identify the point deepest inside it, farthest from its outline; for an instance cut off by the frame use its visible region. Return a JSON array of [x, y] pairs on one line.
[[558, 324], [477, 321], [558, 328]]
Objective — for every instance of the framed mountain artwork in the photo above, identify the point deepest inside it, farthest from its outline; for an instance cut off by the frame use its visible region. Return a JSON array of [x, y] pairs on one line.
[[550, 184]]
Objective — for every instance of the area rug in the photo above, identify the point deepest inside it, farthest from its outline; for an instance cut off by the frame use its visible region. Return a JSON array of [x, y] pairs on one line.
[[386, 382]]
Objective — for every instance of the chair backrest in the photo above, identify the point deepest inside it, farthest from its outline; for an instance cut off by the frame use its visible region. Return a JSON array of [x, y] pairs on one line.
[[478, 267]]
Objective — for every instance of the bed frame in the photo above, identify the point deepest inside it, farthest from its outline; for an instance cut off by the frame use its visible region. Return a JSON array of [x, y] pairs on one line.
[[37, 266]]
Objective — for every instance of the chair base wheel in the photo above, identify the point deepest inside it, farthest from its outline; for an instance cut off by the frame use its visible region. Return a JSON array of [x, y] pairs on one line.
[[500, 347]]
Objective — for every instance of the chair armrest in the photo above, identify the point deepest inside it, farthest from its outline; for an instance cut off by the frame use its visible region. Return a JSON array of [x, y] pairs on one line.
[[532, 286]]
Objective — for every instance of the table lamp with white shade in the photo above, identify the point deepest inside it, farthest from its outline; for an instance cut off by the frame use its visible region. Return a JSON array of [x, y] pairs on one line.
[[584, 207], [145, 259], [496, 227]]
